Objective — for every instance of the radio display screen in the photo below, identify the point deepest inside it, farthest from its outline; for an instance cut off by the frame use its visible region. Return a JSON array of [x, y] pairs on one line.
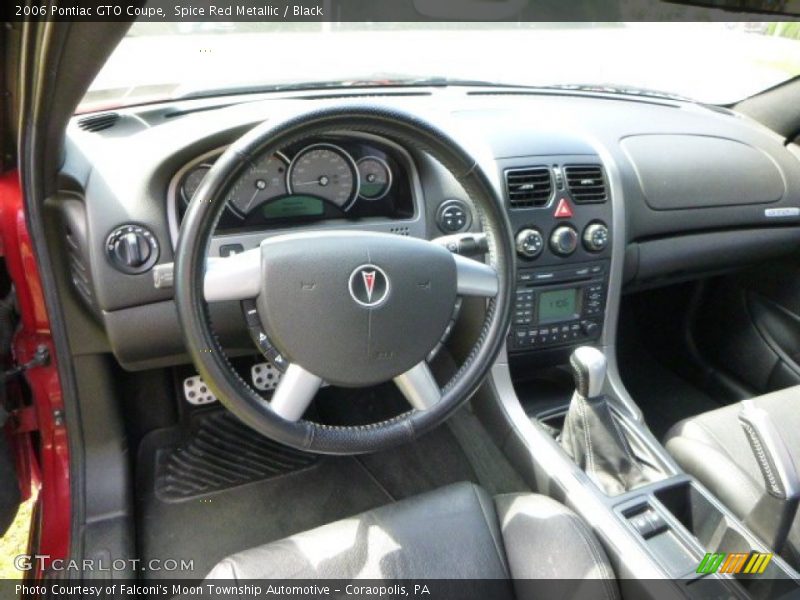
[[558, 305]]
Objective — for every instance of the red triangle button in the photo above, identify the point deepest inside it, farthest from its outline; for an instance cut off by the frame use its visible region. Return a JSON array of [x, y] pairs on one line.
[[563, 210]]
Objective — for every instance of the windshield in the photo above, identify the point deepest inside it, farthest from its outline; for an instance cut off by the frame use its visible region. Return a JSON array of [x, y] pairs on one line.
[[709, 62]]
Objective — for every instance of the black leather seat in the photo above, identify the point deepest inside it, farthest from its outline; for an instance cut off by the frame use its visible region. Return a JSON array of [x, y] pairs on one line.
[[451, 533], [713, 447]]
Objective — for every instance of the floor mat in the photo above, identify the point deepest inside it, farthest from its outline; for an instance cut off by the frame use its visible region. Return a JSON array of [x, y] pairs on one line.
[[205, 529], [177, 518], [220, 454]]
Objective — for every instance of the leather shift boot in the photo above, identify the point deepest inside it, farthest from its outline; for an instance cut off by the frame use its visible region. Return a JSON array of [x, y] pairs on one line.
[[596, 443]]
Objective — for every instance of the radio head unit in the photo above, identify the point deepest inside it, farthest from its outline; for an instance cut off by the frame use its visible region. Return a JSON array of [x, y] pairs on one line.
[[558, 306]]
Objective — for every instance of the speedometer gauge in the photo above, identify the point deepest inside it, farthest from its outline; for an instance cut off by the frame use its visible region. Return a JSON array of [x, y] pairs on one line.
[[264, 180], [375, 176], [325, 171]]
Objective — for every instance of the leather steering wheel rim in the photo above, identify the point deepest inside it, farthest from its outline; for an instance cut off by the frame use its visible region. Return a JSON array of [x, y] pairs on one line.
[[194, 242]]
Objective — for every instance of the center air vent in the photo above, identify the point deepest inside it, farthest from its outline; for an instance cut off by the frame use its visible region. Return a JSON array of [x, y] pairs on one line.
[[530, 186], [98, 122], [586, 183]]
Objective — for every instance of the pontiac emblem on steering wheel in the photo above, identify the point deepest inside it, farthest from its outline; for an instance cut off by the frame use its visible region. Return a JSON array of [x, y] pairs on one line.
[[369, 285]]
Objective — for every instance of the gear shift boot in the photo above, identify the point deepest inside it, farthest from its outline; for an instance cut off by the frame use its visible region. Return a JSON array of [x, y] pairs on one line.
[[591, 434]]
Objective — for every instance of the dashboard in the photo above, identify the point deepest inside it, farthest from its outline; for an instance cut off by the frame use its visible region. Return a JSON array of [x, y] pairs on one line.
[[604, 195]]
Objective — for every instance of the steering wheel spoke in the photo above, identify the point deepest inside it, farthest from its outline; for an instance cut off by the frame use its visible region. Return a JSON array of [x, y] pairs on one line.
[[294, 393], [475, 278], [236, 277], [419, 386]]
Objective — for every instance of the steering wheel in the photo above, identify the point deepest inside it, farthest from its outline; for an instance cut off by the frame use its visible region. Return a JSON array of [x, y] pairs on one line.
[[349, 308]]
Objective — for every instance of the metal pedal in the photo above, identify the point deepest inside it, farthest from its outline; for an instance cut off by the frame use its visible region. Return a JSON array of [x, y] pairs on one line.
[[264, 376], [196, 392]]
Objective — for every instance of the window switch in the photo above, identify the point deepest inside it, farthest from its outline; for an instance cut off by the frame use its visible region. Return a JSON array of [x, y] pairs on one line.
[[648, 523]]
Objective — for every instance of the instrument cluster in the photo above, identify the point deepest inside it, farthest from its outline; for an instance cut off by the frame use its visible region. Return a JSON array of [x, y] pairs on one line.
[[326, 179]]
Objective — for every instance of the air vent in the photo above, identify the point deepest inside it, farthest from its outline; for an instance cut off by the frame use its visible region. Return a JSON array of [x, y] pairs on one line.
[[78, 269], [528, 187], [98, 122], [586, 183]]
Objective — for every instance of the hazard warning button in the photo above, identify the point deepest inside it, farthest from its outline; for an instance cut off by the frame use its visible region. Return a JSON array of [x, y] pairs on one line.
[[563, 210]]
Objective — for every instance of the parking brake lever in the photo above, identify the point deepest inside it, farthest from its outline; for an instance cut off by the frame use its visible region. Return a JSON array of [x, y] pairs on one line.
[[773, 515]]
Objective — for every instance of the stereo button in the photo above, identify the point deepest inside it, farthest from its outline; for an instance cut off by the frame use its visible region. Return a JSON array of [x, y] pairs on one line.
[[590, 328]]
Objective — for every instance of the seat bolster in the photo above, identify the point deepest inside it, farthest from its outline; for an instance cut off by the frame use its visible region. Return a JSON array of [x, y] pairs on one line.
[[703, 457], [450, 533], [545, 540], [713, 448]]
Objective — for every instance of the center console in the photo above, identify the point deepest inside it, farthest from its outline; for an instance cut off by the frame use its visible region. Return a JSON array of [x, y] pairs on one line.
[[657, 523], [560, 211]]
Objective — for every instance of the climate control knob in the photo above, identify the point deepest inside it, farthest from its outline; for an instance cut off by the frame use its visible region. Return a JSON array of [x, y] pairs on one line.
[[530, 243], [595, 237], [564, 240]]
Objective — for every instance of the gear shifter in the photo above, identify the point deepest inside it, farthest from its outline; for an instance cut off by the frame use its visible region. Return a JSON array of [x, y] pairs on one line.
[[589, 370], [591, 435]]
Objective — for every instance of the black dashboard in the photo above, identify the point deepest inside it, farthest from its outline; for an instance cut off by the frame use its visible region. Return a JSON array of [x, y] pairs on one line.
[[603, 194]]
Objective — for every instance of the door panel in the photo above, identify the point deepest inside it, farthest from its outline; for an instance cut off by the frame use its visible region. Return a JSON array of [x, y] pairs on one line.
[[749, 326], [9, 486]]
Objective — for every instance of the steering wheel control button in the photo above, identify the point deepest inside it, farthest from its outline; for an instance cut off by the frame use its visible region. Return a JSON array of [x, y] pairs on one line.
[[132, 249], [595, 237], [369, 286], [564, 240], [530, 243], [453, 216], [260, 339]]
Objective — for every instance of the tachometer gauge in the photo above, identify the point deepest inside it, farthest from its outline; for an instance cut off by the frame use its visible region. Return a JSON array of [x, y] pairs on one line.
[[192, 181], [325, 171], [264, 180], [375, 177]]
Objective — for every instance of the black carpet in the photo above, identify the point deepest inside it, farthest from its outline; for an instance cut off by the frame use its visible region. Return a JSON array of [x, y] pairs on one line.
[[207, 528], [664, 397], [221, 453], [207, 512]]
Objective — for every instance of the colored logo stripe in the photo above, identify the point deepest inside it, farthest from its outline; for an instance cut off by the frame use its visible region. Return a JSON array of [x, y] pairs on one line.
[[754, 563], [758, 563]]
